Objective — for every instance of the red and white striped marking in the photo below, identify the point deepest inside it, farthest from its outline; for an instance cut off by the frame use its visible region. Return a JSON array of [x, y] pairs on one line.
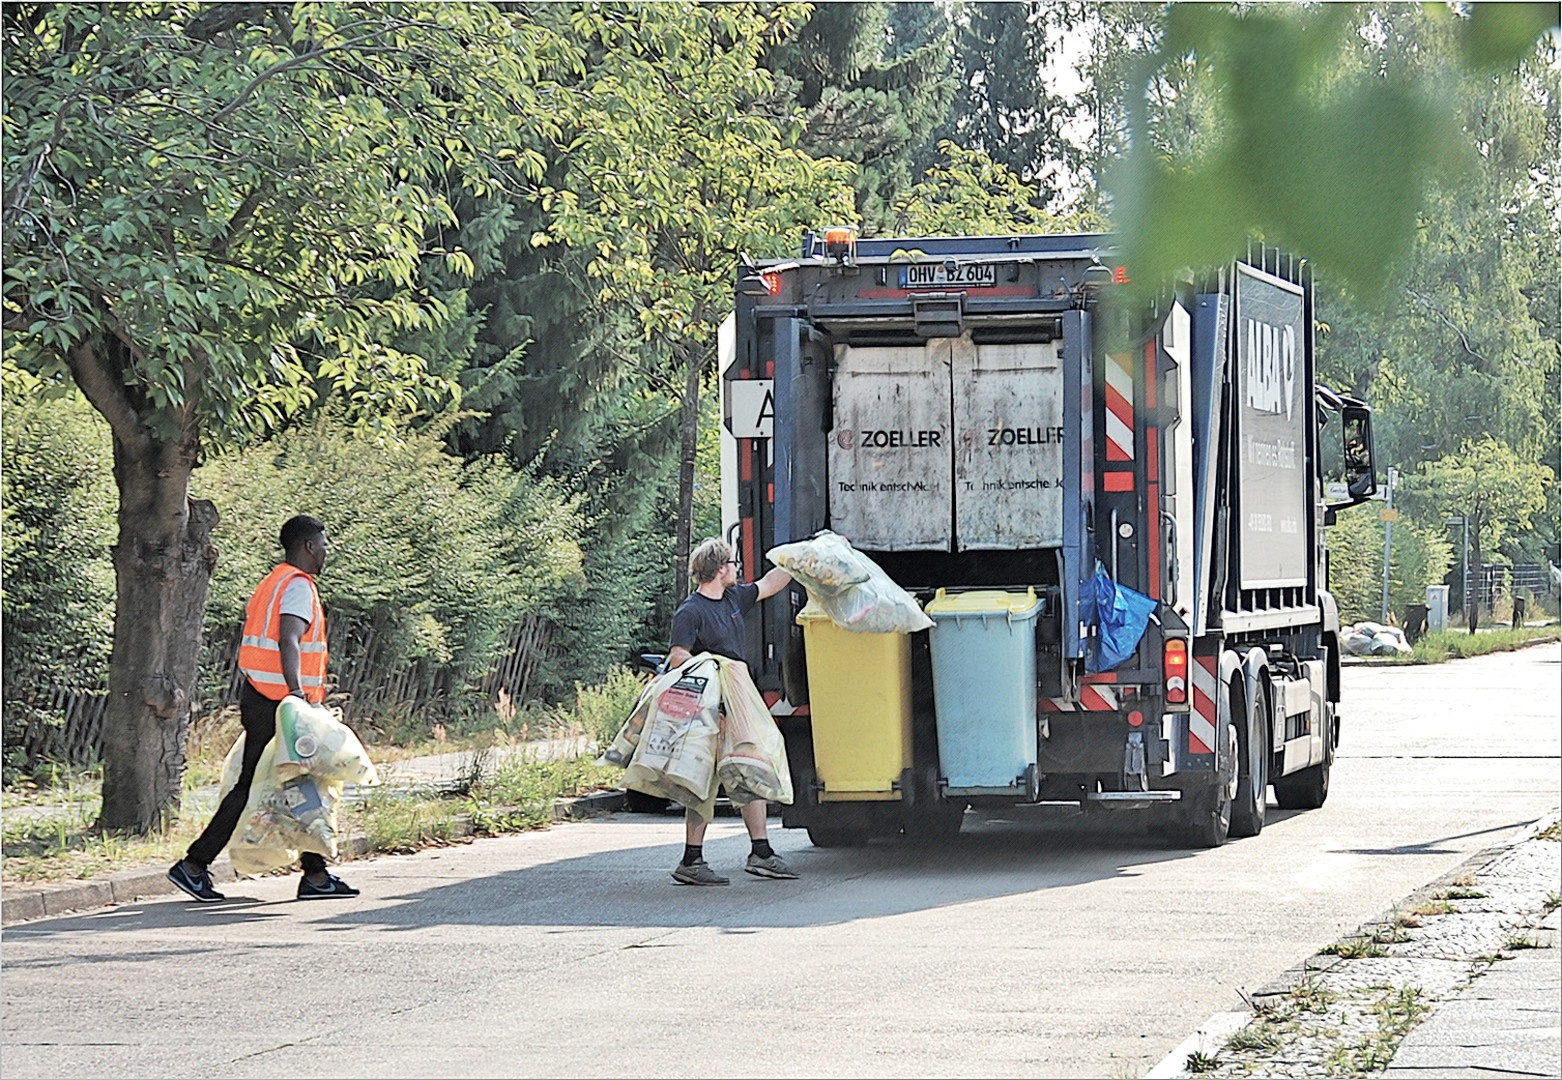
[[1119, 407], [1093, 697], [1201, 718]]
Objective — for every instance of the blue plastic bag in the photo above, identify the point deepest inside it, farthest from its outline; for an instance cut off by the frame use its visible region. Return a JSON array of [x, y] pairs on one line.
[[1119, 616]]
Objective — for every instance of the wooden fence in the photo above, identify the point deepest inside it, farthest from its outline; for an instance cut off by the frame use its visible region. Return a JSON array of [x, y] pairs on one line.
[[65, 724]]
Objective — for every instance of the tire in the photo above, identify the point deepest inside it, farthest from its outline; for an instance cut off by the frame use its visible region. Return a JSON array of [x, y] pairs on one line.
[[937, 824], [825, 836], [1309, 788], [1247, 809], [1207, 822]]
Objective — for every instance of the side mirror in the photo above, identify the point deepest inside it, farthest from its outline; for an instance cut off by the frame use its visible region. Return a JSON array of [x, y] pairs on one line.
[[1361, 472]]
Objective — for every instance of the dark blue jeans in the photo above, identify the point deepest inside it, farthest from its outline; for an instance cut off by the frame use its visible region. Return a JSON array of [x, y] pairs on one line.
[[258, 714]]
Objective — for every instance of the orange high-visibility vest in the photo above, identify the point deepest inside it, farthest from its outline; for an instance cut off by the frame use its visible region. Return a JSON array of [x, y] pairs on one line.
[[260, 655]]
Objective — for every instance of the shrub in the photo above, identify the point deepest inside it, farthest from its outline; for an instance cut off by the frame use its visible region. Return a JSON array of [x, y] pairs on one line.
[[57, 523], [432, 562], [1420, 556]]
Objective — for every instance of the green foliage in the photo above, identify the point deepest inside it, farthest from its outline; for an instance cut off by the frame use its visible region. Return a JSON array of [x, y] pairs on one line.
[[216, 184], [1421, 556], [869, 83], [973, 195], [1500, 491], [432, 561], [1004, 106], [1327, 123], [602, 709], [56, 527], [1458, 644]]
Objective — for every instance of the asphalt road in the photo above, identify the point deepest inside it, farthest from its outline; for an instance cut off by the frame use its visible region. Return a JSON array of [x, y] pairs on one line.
[[1042, 943]]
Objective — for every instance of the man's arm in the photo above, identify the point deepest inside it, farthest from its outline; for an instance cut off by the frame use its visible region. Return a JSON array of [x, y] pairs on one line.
[[291, 630], [773, 583], [677, 656]]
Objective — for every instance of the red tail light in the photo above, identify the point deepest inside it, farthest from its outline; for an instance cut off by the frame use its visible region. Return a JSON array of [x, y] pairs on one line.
[[772, 283], [1175, 661]]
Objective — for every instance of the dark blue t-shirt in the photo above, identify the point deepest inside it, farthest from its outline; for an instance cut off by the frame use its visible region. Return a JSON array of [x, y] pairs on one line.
[[704, 625]]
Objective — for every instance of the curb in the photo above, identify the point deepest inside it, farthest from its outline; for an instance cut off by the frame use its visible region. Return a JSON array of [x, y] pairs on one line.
[[1212, 1034], [127, 886]]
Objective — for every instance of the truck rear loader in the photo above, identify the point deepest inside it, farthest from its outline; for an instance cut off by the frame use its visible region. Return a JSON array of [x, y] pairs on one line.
[[1113, 507]]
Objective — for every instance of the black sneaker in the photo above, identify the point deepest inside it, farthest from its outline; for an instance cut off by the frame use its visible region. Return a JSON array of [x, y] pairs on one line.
[[333, 889], [197, 885]]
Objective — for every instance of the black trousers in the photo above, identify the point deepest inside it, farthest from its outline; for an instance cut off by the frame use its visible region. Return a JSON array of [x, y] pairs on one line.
[[258, 714]]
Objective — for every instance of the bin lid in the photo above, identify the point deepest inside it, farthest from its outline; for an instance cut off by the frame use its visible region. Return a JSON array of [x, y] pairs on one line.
[[983, 602], [811, 612]]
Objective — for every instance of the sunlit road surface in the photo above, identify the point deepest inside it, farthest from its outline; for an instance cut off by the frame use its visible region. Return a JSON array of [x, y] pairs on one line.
[[1042, 943]]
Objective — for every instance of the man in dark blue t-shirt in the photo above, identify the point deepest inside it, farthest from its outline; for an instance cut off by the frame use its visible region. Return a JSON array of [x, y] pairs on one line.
[[711, 620]]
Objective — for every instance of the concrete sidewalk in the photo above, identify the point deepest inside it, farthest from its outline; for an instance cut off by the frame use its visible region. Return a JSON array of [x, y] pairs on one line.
[[1507, 1021], [1463, 978]]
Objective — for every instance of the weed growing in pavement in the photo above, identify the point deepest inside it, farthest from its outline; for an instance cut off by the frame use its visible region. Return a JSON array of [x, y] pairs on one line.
[[1398, 1010], [399, 822], [1200, 1062], [1438, 905], [1519, 942], [1553, 901], [1551, 832], [1359, 948], [1407, 919], [1313, 997], [1259, 1037], [1458, 893]]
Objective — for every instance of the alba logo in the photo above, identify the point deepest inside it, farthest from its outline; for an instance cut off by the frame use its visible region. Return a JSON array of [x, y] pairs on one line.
[[845, 438], [1271, 367]]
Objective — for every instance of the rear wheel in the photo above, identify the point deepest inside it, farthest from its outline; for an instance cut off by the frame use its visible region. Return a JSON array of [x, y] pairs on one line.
[[1307, 789], [827, 836], [1247, 809], [1208, 820], [936, 824]]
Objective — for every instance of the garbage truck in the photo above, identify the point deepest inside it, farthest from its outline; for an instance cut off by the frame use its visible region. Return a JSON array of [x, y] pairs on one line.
[[1110, 500]]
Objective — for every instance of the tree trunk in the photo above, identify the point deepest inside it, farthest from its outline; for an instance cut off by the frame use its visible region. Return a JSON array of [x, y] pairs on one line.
[[162, 566]]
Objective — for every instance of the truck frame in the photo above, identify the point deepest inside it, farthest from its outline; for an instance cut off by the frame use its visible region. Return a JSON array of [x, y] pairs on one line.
[[1004, 413]]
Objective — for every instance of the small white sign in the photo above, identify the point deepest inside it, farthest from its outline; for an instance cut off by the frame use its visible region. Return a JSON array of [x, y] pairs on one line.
[[751, 408]]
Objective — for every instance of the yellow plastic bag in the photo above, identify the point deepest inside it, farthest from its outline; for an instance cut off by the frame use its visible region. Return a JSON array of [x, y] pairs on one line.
[[293, 802], [752, 763], [675, 756]]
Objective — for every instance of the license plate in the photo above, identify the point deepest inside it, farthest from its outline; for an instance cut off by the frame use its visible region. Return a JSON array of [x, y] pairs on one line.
[[946, 275]]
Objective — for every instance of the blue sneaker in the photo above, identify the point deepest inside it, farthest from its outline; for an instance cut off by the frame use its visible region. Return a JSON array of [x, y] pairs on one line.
[[333, 889], [197, 885]]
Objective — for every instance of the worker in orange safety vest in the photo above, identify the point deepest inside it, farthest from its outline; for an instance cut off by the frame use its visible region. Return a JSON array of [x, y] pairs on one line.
[[283, 651]]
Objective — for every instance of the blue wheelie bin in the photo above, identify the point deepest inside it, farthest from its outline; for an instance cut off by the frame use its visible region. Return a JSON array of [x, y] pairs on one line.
[[984, 690]]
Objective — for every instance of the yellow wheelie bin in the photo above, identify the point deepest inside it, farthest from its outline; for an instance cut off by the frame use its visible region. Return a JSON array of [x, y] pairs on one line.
[[859, 689]]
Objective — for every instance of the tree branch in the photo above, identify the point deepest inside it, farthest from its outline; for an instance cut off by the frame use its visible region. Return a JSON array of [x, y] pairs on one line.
[[107, 394]]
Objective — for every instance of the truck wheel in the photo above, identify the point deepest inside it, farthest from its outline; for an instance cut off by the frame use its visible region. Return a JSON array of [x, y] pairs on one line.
[[1247, 809], [937, 824], [1308, 788], [1207, 823], [826, 836]]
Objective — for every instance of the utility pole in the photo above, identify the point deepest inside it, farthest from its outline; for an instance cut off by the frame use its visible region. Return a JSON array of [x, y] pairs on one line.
[[1388, 536]]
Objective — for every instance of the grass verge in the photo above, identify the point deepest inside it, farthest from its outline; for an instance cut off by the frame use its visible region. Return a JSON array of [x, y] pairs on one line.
[[1458, 644]]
